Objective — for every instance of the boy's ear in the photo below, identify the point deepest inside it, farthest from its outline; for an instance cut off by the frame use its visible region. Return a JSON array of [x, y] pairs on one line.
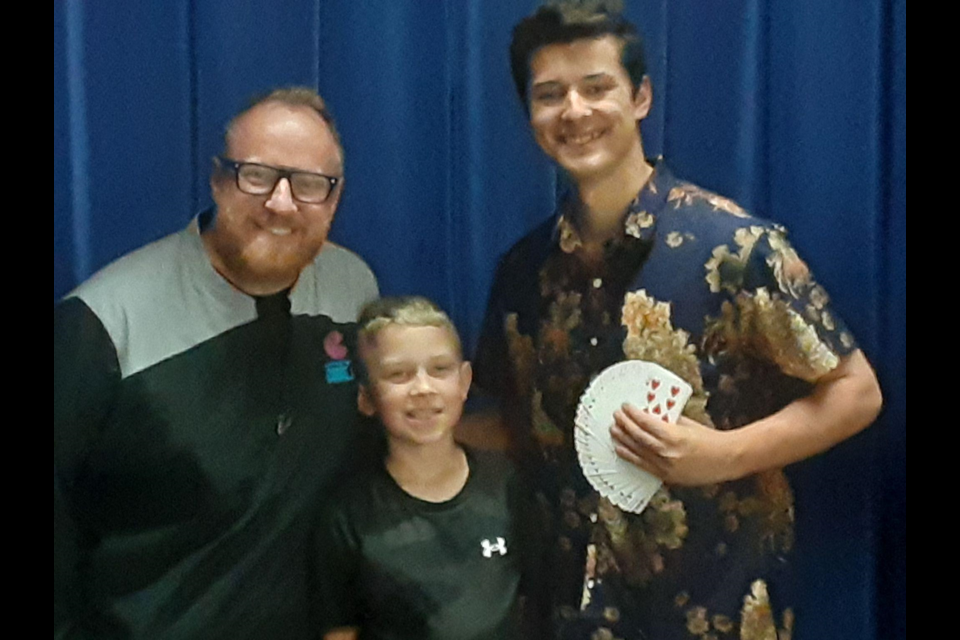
[[365, 402], [466, 377]]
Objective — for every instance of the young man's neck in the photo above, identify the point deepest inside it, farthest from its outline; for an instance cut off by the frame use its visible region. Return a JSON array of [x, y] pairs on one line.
[[605, 198], [434, 472]]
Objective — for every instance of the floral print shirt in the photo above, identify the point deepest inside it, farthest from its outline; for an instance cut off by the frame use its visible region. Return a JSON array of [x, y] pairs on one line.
[[718, 297]]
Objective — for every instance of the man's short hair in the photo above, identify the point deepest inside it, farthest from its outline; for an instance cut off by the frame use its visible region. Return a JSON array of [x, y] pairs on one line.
[[566, 21], [400, 311], [291, 97]]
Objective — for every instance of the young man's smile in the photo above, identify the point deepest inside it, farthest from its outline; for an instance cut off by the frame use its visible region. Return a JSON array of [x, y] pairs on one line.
[[584, 109]]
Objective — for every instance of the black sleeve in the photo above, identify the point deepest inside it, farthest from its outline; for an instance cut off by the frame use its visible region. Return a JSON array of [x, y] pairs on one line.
[[85, 378], [491, 358], [530, 530], [513, 306], [334, 565]]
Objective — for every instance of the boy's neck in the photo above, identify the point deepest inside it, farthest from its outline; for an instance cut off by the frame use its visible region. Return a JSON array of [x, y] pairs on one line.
[[434, 472]]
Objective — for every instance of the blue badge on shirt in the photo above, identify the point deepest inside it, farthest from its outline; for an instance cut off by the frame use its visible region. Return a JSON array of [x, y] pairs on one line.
[[339, 371]]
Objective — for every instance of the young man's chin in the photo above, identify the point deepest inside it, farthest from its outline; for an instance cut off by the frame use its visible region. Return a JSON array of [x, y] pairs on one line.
[[583, 166]]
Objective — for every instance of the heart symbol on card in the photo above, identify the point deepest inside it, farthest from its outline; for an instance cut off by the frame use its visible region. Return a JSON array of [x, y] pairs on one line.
[[627, 487]]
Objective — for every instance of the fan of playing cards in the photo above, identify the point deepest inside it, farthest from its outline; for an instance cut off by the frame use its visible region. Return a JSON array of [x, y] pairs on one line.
[[650, 388]]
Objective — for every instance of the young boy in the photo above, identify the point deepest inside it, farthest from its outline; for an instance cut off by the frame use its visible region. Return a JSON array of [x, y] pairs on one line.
[[427, 544]]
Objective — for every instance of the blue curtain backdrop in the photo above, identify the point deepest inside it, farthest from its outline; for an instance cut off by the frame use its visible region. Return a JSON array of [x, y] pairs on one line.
[[795, 109]]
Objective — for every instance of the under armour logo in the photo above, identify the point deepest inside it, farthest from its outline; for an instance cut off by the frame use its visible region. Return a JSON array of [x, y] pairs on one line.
[[489, 549]]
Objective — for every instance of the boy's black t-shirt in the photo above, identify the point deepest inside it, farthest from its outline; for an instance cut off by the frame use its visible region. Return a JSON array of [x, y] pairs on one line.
[[399, 567]]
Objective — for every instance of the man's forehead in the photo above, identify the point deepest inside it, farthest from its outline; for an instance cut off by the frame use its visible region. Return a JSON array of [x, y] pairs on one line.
[[269, 113], [271, 122]]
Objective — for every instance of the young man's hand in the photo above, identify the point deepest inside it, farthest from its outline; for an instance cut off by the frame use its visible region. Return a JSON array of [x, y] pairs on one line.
[[685, 453], [843, 402]]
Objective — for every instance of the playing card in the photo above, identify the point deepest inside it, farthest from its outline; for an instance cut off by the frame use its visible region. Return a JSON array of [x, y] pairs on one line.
[[649, 387], [665, 395]]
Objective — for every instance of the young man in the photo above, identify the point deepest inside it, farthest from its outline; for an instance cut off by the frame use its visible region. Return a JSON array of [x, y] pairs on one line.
[[641, 265], [427, 545]]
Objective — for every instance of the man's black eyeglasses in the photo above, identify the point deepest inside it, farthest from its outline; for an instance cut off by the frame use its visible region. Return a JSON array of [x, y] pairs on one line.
[[261, 179]]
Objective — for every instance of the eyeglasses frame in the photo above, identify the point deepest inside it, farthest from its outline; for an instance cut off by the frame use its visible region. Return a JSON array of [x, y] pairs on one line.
[[234, 166]]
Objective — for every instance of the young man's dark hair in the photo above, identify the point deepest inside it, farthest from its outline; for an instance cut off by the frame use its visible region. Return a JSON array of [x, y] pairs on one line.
[[564, 22]]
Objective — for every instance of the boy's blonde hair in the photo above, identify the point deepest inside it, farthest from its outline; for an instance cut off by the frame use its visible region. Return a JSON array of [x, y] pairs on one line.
[[400, 311]]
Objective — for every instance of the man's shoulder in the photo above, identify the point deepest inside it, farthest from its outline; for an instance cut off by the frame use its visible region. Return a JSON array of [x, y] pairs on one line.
[[529, 252], [337, 284], [161, 300], [333, 253], [689, 202], [133, 272], [335, 259]]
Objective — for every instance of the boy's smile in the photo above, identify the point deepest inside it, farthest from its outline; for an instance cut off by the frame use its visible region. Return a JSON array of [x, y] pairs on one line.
[[417, 383]]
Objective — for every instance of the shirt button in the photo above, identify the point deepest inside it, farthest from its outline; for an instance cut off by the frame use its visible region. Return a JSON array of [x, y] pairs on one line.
[[594, 341], [597, 283]]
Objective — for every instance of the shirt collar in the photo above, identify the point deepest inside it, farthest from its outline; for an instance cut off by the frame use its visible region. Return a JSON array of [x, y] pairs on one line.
[[639, 220]]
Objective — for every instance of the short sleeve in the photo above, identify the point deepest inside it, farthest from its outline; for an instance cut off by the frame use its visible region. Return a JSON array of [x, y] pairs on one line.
[[531, 533], [513, 302], [779, 312], [490, 364], [335, 565], [86, 375]]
